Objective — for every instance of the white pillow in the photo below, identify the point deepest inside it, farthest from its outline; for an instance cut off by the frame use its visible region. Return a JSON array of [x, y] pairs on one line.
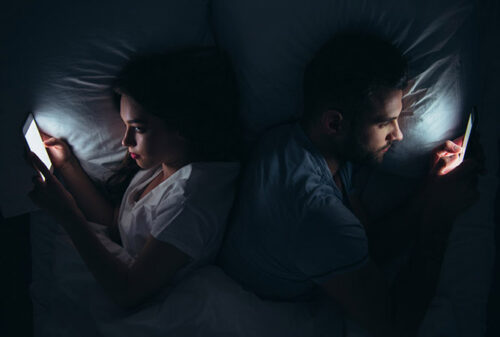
[[62, 57], [272, 41]]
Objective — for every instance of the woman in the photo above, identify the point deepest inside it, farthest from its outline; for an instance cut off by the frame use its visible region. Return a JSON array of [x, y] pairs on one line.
[[179, 113]]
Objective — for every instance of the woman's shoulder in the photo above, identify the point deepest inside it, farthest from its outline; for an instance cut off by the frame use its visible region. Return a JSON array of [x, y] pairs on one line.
[[204, 176], [200, 180]]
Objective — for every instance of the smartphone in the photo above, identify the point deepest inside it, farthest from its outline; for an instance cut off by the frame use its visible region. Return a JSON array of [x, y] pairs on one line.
[[35, 142], [468, 130]]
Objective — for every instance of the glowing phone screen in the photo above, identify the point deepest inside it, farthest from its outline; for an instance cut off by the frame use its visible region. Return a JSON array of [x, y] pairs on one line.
[[468, 131], [35, 142]]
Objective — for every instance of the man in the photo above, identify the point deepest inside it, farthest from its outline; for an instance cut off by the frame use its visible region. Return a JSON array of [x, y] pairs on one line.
[[296, 230]]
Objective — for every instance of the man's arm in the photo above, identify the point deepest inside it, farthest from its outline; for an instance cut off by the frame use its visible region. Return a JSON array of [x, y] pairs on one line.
[[425, 219], [363, 294], [430, 212], [392, 233]]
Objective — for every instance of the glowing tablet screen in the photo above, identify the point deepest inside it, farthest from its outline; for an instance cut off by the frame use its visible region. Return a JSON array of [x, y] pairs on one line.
[[35, 142]]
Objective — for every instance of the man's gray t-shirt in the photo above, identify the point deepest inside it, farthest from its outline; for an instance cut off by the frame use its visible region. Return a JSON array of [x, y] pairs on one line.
[[291, 228]]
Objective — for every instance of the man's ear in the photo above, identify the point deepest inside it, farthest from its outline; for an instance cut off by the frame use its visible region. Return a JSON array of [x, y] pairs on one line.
[[332, 121]]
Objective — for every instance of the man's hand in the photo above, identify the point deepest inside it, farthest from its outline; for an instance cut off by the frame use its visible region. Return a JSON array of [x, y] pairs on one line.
[[451, 187], [446, 157], [449, 195]]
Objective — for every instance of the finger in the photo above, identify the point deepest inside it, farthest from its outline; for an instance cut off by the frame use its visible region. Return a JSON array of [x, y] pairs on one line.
[[448, 147], [446, 164], [37, 180], [53, 142], [459, 140], [45, 135], [50, 141], [40, 166], [438, 167], [451, 162]]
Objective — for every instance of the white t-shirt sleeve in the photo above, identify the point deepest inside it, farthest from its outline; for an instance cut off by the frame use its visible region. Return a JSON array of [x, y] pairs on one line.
[[180, 224]]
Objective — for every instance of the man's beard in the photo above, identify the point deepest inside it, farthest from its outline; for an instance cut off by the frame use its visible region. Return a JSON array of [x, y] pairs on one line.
[[357, 152]]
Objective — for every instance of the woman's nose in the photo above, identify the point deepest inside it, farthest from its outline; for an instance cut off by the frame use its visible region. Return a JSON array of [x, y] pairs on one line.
[[128, 139]]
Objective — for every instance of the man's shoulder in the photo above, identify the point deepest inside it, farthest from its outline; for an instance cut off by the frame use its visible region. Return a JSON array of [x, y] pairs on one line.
[[286, 168], [288, 146]]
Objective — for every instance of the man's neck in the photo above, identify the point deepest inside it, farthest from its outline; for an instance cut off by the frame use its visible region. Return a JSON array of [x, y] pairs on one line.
[[320, 142]]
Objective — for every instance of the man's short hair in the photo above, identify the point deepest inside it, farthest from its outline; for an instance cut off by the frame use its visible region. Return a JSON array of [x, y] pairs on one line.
[[348, 70]]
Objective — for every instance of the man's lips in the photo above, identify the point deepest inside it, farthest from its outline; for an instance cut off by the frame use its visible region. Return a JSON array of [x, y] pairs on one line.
[[385, 149], [134, 155]]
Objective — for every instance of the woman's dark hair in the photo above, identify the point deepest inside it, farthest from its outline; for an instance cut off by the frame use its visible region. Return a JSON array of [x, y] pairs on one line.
[[348, 70], [194, 92]]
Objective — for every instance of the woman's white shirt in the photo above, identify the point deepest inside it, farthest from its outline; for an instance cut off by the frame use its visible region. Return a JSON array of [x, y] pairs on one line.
[[188, 210]]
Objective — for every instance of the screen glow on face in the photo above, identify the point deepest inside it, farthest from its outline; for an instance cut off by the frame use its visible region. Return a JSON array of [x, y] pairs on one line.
[[36, 145]]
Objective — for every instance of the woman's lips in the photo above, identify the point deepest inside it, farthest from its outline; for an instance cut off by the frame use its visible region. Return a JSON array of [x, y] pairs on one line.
[[134, 155]]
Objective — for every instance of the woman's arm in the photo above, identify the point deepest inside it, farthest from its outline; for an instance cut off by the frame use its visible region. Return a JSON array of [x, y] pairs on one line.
[[128, 285], [93, 204]]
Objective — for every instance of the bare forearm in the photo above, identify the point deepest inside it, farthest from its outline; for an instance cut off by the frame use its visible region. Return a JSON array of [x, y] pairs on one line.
[[93, 204], [109, 271]]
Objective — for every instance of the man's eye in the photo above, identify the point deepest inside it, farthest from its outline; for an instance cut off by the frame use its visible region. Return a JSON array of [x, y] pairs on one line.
[[139, 129], [383, 124]]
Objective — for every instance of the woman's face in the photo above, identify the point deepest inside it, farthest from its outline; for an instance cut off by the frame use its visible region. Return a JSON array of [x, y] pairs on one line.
[[147, 138]]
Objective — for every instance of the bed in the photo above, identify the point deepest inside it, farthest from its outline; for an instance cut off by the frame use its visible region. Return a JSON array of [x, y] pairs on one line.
[[61, 57]]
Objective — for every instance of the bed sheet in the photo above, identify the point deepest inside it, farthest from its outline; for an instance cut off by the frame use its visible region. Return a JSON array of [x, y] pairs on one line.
[[69, 302]]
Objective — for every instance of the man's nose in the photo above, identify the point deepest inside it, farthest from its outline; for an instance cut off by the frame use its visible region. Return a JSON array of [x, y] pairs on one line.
[[396, 133]]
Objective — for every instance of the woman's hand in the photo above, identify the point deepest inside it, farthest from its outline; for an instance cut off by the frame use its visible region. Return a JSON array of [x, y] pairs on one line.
[[59, 152], [50, 194]]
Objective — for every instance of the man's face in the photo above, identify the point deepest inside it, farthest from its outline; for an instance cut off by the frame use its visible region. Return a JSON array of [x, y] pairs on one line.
[[376, 130]]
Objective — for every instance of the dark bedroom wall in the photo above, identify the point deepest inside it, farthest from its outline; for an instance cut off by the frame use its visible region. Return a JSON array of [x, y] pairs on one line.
[[16, 319]]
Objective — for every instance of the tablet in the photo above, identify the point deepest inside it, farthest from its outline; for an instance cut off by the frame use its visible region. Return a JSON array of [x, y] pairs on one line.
[[35, 142]]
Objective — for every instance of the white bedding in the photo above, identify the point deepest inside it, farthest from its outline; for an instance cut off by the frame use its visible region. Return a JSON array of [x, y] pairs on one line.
[[69, 302]]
